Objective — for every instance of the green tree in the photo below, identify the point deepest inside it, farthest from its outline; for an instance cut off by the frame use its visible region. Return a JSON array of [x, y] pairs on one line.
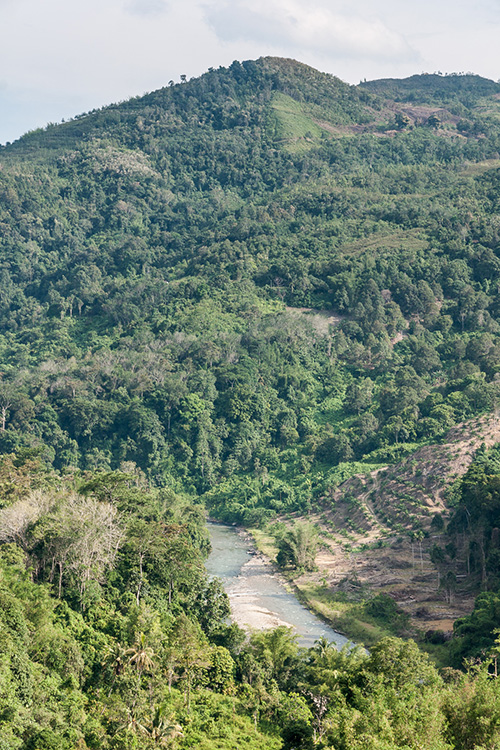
[[472, 710], [278, 647], [298, 547]]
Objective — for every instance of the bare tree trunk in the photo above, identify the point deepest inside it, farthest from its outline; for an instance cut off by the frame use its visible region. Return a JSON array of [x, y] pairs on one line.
[[60, 577], [483, 558], [52, 570], [139, 587]]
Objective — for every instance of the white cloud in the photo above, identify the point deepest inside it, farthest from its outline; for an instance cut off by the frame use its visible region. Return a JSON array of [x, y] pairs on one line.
[[108, 49], [313, 27], [147, 7]]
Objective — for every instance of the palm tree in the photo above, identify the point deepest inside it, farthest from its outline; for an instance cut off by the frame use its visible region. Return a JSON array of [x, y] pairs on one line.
[[116, 659], [141, 657], [132, 724], [162, 728], [322, 646]]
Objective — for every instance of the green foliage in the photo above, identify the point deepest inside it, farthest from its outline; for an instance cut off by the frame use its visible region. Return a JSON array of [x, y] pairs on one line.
[[297, 547], [475, 634], [160, 257], [472, 711], [122, 674], [383, 607], [241, 290]]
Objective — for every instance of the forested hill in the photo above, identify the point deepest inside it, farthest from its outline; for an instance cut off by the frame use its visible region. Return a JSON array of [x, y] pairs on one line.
[[272, 293], [253, 284]]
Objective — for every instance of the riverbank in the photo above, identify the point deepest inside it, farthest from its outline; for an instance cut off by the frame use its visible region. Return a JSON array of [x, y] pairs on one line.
[[246, 611], [344, 613], [259, 596]]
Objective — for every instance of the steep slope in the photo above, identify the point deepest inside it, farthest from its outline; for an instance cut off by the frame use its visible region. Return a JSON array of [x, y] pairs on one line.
[[380, 531], [236, 97]]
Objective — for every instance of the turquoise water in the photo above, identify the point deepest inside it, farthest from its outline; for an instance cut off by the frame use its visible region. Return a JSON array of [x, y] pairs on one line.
[[257, 597]]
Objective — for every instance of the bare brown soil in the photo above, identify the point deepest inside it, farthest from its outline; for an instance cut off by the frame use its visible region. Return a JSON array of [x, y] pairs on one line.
[[417, 114], [367, 525]]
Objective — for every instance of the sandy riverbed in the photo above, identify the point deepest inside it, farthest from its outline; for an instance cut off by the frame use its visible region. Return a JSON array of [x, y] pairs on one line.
[[258, 596], [246, 609]]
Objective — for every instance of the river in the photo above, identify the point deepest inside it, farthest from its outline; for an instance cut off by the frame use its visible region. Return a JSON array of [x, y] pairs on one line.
[[258, 598]]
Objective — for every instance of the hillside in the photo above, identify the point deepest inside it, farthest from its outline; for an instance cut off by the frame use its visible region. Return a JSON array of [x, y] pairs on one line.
[[274, 297], [379, 532], [154, 252], [254, 284]]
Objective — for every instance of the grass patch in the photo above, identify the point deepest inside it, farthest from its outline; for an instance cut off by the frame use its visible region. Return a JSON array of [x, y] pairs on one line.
[[345, 470], [411, 239], [439, 652], [289, 124], [348, 617], [264, 542], [480, 167]]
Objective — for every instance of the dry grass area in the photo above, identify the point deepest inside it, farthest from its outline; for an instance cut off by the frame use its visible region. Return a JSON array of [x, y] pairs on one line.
[[396, 240], [320, 320], [366, 527], [473, 169]]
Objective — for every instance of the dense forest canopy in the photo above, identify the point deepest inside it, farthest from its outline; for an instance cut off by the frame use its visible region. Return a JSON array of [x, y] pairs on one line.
[[155, 252], [238, 291]]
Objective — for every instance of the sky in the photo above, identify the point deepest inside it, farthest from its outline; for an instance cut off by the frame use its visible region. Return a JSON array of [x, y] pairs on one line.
[[59, 58]]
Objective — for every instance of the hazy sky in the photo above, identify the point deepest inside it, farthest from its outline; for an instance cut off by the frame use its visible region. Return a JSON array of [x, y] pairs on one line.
[[59, 58]]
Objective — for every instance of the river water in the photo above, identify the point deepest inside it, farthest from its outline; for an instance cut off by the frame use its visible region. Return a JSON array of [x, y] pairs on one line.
[[258, 599]]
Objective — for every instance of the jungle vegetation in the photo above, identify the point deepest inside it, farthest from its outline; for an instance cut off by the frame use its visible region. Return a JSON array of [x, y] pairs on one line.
[[232, 294], [113, 638]]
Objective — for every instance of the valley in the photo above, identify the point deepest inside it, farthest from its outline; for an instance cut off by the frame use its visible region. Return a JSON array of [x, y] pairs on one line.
[[272, 298]]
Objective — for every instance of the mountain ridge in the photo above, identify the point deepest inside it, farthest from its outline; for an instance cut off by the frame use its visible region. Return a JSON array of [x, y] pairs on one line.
[[282, 74]]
